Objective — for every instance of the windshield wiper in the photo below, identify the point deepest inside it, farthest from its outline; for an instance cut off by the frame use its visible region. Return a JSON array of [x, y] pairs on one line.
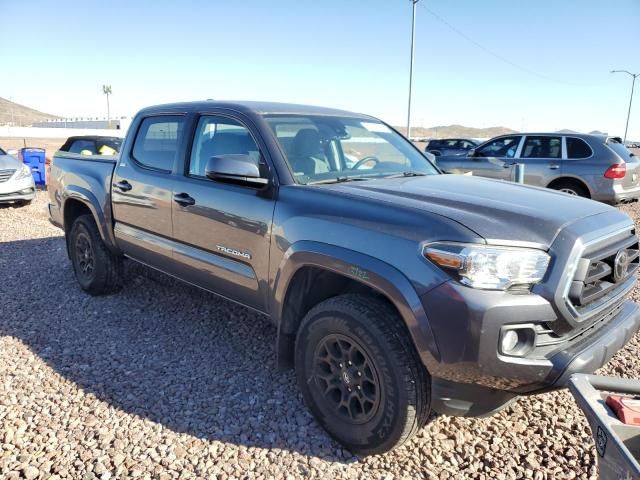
[[406, 174], [337, 180]]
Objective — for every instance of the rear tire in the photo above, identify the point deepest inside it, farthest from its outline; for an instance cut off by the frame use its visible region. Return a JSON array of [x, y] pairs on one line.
[[360, 375], [97, 270], [571, 188]]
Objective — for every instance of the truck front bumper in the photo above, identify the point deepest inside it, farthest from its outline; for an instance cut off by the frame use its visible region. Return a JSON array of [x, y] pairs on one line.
[[472, 377]]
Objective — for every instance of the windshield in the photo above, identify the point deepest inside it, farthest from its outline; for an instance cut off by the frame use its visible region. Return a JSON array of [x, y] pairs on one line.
[[323, 149]]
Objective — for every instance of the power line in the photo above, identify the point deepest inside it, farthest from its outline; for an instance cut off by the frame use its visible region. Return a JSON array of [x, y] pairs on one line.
[[485, 49]]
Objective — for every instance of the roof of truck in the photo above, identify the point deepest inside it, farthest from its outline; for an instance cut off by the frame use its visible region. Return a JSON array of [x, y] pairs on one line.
[[261, 108]]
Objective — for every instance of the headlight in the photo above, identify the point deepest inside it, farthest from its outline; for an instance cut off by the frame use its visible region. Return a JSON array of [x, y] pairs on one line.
[[23, 172], [490, 268]]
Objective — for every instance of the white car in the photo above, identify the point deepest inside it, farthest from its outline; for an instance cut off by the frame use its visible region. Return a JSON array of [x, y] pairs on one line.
[[16, 181]]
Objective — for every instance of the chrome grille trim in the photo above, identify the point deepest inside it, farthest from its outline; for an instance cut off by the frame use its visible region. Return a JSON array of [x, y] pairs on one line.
[[6, 174], [595, 308]]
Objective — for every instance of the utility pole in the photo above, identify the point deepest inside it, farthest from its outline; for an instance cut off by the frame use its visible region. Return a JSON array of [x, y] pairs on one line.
[[413, 31], [633, 84], [106, 89]]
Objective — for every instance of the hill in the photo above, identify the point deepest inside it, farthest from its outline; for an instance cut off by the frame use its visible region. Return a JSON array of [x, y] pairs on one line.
[[456, 131], [12, 113]]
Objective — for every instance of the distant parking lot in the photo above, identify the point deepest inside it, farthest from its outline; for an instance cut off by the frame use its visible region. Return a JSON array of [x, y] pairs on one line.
[[165, 381]]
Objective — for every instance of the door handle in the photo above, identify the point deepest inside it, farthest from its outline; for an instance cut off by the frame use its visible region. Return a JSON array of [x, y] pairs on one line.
[[123, 185], [183, 199], [554, 167]]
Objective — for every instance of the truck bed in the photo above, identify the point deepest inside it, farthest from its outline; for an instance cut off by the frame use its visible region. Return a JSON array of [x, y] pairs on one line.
[[83, 177]]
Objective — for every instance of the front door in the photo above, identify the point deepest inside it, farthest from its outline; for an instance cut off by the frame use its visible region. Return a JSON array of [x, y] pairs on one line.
[[222, 231], [142, 190], [495, 159]]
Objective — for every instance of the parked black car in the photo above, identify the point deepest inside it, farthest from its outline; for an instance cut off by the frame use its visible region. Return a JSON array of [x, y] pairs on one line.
[[450, 146]]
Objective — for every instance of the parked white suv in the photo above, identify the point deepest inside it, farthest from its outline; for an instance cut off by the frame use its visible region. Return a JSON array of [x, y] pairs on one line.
[[16, 182]]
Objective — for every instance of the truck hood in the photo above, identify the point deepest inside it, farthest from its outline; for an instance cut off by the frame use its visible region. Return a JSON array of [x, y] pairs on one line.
[[498, 211]]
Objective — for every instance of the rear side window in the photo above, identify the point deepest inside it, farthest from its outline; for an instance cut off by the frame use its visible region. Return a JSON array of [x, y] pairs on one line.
[[157, 142], [542, 147], [578, 148]]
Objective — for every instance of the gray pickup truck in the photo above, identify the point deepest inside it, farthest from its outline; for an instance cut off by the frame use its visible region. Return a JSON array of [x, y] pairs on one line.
[[395, 290]]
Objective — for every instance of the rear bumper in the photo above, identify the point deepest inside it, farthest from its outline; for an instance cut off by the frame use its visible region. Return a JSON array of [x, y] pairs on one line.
[[472, 378], [630, 195], [613, 193]]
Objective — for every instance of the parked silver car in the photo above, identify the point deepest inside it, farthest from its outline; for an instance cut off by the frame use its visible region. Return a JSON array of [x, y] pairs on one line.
[[592, 166], [16, 182]]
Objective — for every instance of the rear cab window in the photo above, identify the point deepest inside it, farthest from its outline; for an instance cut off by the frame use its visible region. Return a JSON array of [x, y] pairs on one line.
[[157, 142], [83, 147]]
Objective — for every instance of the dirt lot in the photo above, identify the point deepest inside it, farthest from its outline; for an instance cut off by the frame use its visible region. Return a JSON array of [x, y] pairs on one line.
[[165, 381]]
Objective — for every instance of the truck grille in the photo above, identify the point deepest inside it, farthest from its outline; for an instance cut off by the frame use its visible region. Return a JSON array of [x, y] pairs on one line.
[[6, 174], [604, 274]]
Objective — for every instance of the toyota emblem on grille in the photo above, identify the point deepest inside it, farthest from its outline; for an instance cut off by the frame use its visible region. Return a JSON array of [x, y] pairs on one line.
[[620, 266]]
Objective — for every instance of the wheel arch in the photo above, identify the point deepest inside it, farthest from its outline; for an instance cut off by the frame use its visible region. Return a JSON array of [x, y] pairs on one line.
[[78, 201], [335, 270], [571, 179]]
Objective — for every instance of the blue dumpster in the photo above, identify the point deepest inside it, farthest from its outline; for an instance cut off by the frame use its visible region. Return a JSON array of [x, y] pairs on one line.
[[34, 157]]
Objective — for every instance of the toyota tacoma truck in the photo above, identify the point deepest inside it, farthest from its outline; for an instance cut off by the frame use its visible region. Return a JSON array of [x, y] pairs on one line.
[[396, 290]]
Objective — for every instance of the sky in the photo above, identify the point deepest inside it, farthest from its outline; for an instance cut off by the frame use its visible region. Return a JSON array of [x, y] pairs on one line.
[[528, 65]]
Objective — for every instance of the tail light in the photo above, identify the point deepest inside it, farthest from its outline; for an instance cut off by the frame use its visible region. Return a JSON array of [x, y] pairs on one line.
[[617, 170]]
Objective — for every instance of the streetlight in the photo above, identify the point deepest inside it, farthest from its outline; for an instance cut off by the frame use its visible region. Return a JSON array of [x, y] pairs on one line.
[[413, 30], [106, 89], [633, 84]]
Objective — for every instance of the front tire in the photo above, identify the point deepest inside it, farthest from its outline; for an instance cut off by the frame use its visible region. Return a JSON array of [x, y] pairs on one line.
[[360, 374], [97, 270]]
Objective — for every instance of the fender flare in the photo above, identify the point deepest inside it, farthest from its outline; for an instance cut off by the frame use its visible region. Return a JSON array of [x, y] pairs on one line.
[[365, 269], [103, 223]]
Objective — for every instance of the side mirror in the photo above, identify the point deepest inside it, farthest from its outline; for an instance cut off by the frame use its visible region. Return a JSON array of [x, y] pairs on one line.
[[235, 168], [471, 153], [13, 152]]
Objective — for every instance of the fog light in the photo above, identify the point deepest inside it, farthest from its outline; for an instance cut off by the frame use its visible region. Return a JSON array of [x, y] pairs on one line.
[[517, 341], [509, 341], [26, 191]]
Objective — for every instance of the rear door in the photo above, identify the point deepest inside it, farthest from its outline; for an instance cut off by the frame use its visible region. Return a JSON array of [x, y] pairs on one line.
[[542, 157], [222, 231], [495, 158], [142, 187]]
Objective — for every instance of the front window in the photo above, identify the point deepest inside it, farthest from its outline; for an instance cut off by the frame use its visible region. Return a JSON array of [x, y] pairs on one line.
[[324, 149], [504, 147]]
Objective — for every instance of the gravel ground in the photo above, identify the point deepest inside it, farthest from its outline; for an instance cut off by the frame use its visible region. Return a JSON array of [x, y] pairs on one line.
[[164, 381]]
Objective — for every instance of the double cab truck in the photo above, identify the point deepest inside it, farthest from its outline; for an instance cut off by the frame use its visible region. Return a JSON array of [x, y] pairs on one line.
[[396, 290]]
